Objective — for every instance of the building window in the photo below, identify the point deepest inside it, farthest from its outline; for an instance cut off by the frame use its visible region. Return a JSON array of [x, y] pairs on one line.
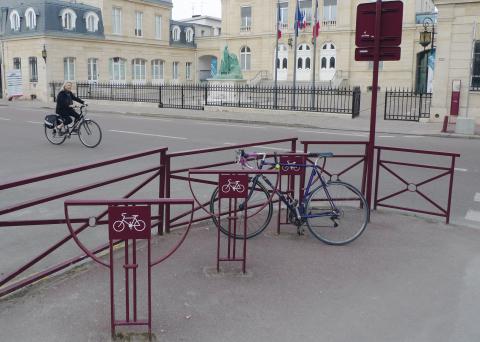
[[284, 63], [32, 63], [245, 19], [118, 69], [283, 13], [15, 21], [307, 63], [17, 63], [138, 24], [92, 70], [300, 63], [330, 11], [117, 20], [158, 67], [158, 27], [324, 63], [476, 67], [31, 19], [69, 68], [332, 62], [176, 33], [69, 19], [306, 9], [91, 20], [175, 71], [189, 35], [188, 71], [245, 58], [139, 70]]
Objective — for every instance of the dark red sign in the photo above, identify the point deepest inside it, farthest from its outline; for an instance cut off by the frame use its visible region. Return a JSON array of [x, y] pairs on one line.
[[390, 53], [290, 165], [233, 186], [126, 223], [391, 27]]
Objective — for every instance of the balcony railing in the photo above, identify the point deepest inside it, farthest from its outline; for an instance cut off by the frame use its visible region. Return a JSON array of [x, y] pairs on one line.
[[245, 28], [328, 24]]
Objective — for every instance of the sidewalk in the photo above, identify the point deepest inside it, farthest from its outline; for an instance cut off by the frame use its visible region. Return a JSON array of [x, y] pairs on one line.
[[255, 116], [404, 279]]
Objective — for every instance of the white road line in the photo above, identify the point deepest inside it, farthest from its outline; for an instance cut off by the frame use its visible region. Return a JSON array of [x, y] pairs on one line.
[[477, 197], [412, 136], [142, 118], [151, 135], [5, 119], [332, 133], [473, 215], [230, 125], [386, 136], [264, 147], [460, 169], [35, 122]]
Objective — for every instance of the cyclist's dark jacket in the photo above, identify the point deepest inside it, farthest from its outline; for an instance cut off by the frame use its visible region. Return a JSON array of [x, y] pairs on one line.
[[64, 100]]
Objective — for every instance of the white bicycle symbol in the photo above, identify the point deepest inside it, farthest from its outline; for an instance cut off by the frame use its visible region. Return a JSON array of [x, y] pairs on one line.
[[131, 222], [235, 186], [289, 167]]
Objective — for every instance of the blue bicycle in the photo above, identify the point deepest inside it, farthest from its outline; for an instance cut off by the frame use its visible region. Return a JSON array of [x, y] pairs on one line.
[[335, 212]]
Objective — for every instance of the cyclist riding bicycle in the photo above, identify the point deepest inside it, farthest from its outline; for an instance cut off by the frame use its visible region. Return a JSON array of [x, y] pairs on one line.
[[65, 106]]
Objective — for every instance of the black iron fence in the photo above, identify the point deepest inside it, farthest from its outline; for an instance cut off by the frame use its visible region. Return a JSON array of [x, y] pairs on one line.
[[197, 96], [407, 105]]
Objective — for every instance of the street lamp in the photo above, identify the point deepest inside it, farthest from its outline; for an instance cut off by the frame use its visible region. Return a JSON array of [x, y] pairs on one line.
[[44, 53], [427, 38]]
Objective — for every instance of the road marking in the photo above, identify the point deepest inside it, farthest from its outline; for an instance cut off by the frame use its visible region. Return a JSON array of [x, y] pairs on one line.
[[332, 133], [477, 197], [5, 119], [264, 147], [35, 122], [473, 215], [150, 135], [460, 169], [142, 118], [386, 136], [413, 136], [230, 125]]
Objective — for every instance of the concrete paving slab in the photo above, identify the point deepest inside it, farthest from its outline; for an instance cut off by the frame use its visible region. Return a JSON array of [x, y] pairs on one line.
[[405, 279]]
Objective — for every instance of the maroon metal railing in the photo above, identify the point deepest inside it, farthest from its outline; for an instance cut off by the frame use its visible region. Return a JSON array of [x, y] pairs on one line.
[[383, 164], [7, 282]]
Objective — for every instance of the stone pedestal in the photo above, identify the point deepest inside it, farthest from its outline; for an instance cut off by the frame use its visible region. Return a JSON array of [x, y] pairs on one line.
[[224, 92], [465, 125]]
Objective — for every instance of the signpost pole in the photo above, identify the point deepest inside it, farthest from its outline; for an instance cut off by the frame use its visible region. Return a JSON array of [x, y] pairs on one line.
[[373, 113]]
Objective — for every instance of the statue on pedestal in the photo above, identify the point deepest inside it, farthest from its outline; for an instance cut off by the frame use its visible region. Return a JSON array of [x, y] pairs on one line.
[[230, 68]]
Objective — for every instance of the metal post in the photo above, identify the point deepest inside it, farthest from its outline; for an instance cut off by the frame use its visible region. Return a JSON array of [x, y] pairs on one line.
[[295, 57], [373, 115], [276, 55], [314, 53]]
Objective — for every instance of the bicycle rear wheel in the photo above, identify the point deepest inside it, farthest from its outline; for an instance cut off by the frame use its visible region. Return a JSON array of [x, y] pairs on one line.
[[337, 213], [54, 136], [258, 218], [90, 133]]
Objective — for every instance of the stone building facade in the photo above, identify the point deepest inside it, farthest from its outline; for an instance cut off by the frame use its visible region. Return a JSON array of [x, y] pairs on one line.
[[249, 29], [458, 58]]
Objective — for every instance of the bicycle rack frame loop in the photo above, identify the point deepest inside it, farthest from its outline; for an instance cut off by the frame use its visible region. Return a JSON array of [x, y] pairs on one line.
[[162, 201], [233, 172]]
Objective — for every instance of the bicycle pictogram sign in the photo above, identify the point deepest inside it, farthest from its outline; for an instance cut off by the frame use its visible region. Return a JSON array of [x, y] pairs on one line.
[[129, 222], [233, 186], [292, 165]]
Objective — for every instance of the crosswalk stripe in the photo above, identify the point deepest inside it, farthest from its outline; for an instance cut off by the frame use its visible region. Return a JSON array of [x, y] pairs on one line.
[[473, 215], [477, 197]]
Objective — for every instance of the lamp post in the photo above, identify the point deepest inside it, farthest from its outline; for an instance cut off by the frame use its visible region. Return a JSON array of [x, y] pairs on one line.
[[427, 38]]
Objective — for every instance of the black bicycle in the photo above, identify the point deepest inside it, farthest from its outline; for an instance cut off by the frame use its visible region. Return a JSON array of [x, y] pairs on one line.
[[88, 131]]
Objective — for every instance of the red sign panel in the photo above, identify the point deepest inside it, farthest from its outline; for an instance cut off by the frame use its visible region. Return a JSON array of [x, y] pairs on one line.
[[391, 53], [126, 223], [233, 186], [289, 165], [391, 26]]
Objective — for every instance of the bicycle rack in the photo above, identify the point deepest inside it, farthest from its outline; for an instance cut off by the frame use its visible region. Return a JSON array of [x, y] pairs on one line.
[[117, 209], [240, 179]]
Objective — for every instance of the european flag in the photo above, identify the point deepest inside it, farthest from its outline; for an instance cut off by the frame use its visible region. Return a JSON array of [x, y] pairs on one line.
[[298, 19]]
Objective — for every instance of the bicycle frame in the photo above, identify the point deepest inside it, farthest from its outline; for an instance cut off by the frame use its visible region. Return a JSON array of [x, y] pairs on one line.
[[301, 214]]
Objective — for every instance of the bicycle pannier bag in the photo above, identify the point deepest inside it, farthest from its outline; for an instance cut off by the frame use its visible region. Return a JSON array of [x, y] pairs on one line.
[[51, 121]]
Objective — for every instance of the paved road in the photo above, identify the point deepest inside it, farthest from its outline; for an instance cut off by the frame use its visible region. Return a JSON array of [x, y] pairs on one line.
[[26, 152]]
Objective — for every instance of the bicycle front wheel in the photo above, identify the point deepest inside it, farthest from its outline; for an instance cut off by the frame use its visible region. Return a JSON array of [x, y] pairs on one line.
[[257, 218], [54, 136], [90, 133], [337, 213]]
